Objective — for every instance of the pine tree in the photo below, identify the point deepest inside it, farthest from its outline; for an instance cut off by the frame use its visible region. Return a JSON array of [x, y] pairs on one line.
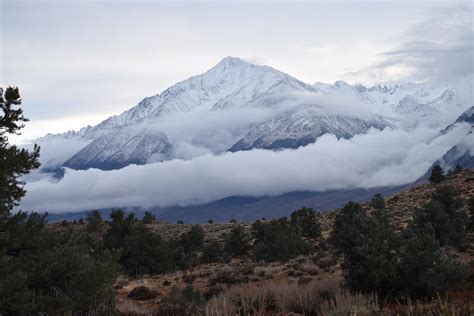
[[148, 218], [43, 271], [14, 162], [458, 168], [94, 221], [378, 202], [437, 174], [470, 208], [305, 218]]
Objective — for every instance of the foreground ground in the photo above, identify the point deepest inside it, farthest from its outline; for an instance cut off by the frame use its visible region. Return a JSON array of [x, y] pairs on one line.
[[291, 279]]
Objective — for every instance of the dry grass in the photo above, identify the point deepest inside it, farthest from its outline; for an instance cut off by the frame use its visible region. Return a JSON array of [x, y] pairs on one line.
[[320, 297], [272, 298]]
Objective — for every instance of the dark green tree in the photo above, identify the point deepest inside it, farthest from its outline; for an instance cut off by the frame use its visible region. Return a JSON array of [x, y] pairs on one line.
[[15, 162], [470, 209], [423, 269], [144, 252], [350, 224], [213, 252], [437, 174], [458, 168], [121, 227], [193, 240], [148, 218], [94, 221], [237, 242], [369, 265], [279, 240], [141, 251], [62, 272], [43, 271], [377, 202], [446, 215], [305, 219]]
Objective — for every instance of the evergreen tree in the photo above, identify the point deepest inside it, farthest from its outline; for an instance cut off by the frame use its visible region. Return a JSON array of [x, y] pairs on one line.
[[279, 240], [94, 221], [212, 252], [43, 272], [350, 225], [193, 240], [458, 168], [470, 209], [437, 174], [379, 259], [305, 219], [148, 218], [423, 269], [15, 162], [141, 251], [377, 202], [446, 216], [369, 266], [237, 242]]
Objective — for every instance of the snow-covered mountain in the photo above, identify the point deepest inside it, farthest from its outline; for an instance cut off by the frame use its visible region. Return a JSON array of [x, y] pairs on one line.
[[463, 152], [237, 106], [300, 128], [120, 148]]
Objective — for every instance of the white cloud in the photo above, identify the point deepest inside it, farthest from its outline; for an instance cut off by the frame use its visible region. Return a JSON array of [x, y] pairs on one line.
[[379, 158]]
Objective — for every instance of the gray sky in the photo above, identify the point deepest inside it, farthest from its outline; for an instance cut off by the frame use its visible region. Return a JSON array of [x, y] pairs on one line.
[[77, 62]]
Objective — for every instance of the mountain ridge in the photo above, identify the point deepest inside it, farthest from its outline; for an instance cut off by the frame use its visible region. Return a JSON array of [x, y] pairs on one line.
[[295, 114]]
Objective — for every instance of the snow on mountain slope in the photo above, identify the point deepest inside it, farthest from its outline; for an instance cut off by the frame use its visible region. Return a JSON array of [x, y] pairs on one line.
[[300, 128], [231, 81], [120, 148], [281, 112], [415, 103]]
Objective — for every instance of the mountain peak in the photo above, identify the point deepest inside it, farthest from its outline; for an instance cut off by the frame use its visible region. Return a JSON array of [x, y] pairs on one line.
[[230, 60]]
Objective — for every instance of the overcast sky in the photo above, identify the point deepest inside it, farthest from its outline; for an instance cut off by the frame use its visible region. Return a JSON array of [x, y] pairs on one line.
[[77, 62]]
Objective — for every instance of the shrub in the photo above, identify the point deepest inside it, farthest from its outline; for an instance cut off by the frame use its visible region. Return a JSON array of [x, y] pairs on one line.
[[212, 252], [192, 240], [187, 301], [142, 293]]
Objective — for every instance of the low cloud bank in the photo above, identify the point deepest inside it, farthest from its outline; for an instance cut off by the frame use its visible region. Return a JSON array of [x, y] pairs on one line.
[[378, 158]]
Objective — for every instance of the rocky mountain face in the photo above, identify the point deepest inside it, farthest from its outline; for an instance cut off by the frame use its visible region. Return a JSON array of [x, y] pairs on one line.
[[281, 112]]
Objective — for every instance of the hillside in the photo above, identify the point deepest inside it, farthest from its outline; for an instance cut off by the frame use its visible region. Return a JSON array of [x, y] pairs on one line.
[[323, 269]]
